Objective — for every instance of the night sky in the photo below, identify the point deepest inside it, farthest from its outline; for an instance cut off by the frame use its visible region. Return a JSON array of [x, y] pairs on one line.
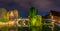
[[43, 6]]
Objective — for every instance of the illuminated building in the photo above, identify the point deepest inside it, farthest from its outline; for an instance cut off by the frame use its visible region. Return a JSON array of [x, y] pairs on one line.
[[56, 15], [13, 16], [8, 15], [3, 16], [16, 13]]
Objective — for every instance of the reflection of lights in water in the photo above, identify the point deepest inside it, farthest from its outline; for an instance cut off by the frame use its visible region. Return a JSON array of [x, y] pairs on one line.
[[53, 21], [10, 23], [58, 23], [23, 22], [1, 24], [6, 23], [11, 30], [52, 26]]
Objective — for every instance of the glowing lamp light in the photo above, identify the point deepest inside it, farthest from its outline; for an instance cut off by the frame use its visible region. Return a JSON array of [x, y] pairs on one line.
[[11, 14], [53, 20]]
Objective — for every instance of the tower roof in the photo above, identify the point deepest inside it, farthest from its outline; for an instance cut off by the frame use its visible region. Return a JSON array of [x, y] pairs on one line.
[[55, 13]]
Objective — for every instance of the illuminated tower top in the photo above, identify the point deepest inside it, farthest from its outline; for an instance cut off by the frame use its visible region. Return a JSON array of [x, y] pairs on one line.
[[11, 14], [33, 12]]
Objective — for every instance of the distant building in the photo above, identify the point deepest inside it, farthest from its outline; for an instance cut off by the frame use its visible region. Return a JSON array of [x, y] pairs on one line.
[[56, 15], [8, 15], [13, 14], [2, 12], [3, 15], [16, 13]]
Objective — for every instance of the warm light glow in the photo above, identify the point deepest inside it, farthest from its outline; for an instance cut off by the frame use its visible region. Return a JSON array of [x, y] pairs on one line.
[[11, 14], [10, 23]]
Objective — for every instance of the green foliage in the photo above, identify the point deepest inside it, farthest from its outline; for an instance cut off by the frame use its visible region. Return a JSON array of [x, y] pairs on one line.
[[3, 20]]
